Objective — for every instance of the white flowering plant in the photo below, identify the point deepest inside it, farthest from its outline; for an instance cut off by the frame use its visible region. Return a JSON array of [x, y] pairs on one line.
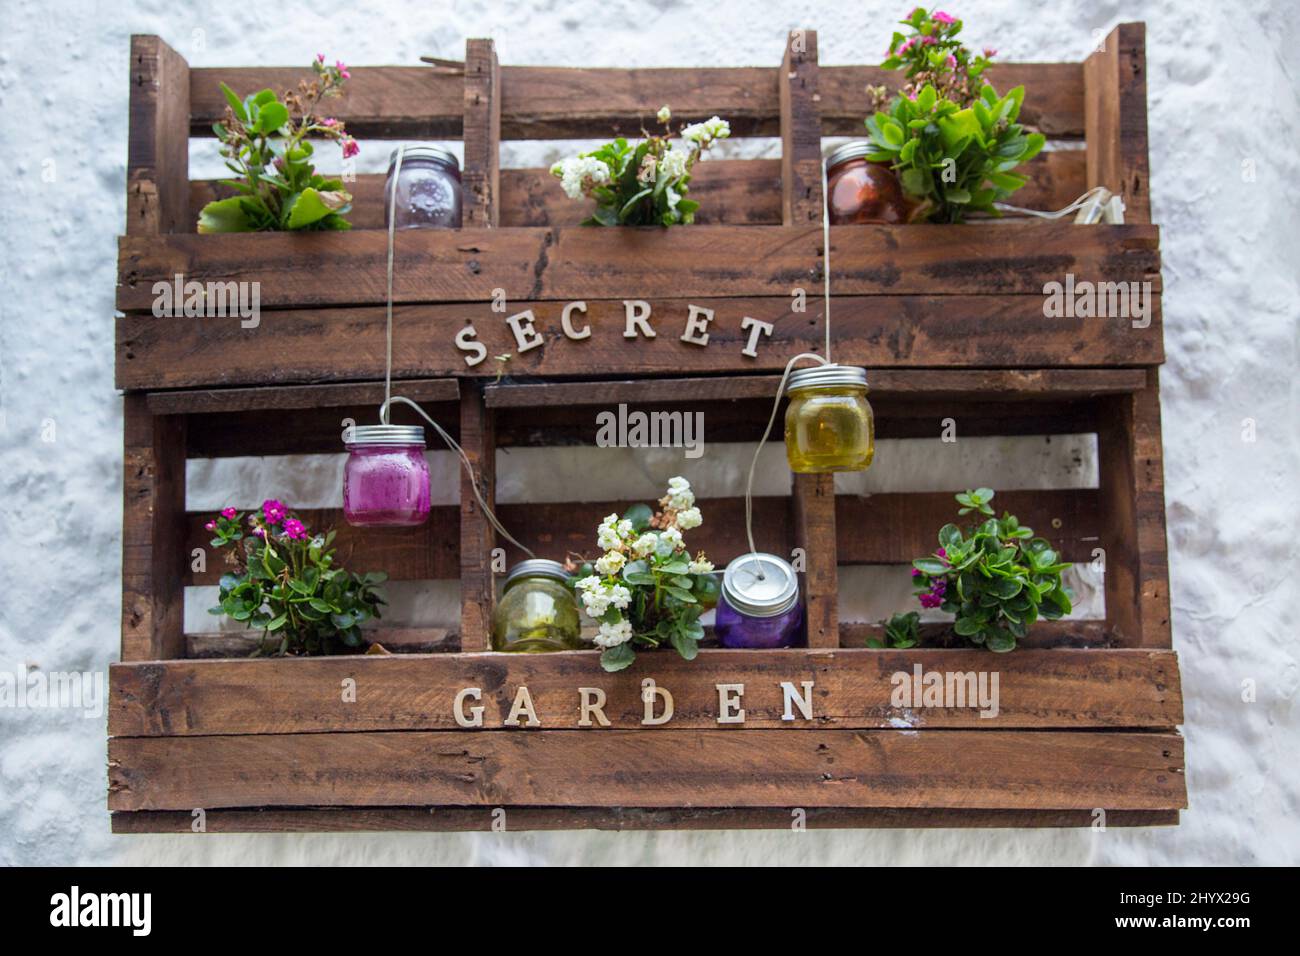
[[644, 183], [646, 590]]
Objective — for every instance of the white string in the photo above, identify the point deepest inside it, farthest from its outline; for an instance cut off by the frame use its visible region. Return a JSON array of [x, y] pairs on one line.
[[826, 263], [389, 397], [1057, 214]]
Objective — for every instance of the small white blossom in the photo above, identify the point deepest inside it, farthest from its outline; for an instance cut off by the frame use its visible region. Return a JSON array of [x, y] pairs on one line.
[[670, 540], [611, 563], [578, 173], [690, 518], [588, 583], [619, 597], [612, 635], [645, 544], [607, 535], [664, 114], [596, 602], [680, 496], [673, 163], [705, 133], [701, 566]]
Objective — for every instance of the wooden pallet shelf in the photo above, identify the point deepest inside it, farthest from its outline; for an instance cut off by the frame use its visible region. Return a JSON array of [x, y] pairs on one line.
[[949, 321]]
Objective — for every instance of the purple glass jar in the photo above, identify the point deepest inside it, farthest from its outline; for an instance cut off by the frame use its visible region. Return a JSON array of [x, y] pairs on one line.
[[428, 189], [386, 478], [759, 605]]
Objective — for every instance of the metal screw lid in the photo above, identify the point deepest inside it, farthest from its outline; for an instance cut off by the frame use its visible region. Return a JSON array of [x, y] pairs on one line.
[[434, 153], [858, 149], [538, 567], [760, 585], [826, 376], [384, 435]]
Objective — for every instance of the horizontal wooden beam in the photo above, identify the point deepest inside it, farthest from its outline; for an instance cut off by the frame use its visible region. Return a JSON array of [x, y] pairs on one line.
[[1041, 689], [889, 528], [546, 102], [660, 767], [294, 397], [297, 270], [469, 819]]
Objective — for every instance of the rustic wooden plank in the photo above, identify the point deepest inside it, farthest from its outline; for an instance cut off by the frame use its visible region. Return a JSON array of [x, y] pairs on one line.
[[157, 165], [813, 513], [852, 689], [875, 529], [435, 265], [877, 332], [153, 532], [294, 397], [1115, 111], [660, 767], [518, 819], [477, 536], [480, 180], [801, 131], [396, 640], [545, 102]]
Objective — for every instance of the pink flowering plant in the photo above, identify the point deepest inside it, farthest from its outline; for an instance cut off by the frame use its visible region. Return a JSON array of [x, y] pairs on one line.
[[265, 141], [996, 578], [283, 582], [953, 141]]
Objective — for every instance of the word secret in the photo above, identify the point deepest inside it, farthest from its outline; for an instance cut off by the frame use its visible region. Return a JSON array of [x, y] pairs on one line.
[[636, 324]]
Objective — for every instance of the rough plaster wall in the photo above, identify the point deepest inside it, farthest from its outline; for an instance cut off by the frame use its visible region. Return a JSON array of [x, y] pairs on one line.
[[1222, 92]]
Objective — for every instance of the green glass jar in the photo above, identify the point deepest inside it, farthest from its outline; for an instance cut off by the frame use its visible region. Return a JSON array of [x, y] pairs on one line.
[[829, 424], [537, 611]]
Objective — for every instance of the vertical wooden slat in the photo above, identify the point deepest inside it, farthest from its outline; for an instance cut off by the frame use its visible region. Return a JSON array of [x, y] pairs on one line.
[[1133, 536], [480, 178], [801, 204], [153, 533], [1115, 119], [477, 539], [158, 150]]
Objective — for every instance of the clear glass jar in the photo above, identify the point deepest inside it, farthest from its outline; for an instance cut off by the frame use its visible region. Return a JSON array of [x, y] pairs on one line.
[[386, 478], [428, 191], [859, 191], [759, 605], [829, 424], [537, 611]]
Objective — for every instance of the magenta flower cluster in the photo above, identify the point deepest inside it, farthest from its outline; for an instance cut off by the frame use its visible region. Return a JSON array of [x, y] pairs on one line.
[[938, 586]]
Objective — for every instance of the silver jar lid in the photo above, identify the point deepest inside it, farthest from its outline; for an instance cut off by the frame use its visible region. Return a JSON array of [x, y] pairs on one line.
[[858, 149], [538, 567], [435, 153], [384, 435], [760, 585], [826, 376]]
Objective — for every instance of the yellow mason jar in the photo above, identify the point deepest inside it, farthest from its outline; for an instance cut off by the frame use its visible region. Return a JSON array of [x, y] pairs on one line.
[[537, 611], [828, 424]]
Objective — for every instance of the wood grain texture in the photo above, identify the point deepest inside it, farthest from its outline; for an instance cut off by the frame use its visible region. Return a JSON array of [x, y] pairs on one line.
[[813, 512], [433, 265], [469, 819], [659, 767], [296, 397], [477, 536], [1043, 689], [877, 332], [546, 102], [1115, 117], [801, 130], [153, 532], [157, 165], [480, 179]]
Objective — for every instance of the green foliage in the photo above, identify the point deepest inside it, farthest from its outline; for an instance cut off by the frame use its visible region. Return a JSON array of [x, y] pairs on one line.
[[264, 142], [954, 142], [996, 577], [284, 582], [900, 632]]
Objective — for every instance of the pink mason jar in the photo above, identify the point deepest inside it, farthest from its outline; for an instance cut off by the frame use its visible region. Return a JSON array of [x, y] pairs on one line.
[[386, 478]]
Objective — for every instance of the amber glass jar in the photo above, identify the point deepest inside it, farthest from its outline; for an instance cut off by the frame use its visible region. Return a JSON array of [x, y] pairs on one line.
[[829, 424], [537, 611], [859, 191]]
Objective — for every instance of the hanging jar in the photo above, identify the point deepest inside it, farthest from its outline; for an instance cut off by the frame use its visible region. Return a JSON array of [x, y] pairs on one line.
[[428, 189], [386, 478], [860, 191], [759, 605], [537, 611], [829, 424]]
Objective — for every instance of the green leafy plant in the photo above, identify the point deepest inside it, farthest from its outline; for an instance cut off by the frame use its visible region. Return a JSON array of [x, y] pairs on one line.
[[953, 141], [995, 577], [284, 582], [644, 183], [265, 142], [900, 632], [646, 590]]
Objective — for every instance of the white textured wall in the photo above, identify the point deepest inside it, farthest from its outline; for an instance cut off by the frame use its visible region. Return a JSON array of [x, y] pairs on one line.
[[1221, 91]]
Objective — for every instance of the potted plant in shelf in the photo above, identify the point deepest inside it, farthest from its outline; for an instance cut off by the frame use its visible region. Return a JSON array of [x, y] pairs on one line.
[[996, 579], [283, 582], [641, 184], [265, 142], [646, 590], [953, 141]]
